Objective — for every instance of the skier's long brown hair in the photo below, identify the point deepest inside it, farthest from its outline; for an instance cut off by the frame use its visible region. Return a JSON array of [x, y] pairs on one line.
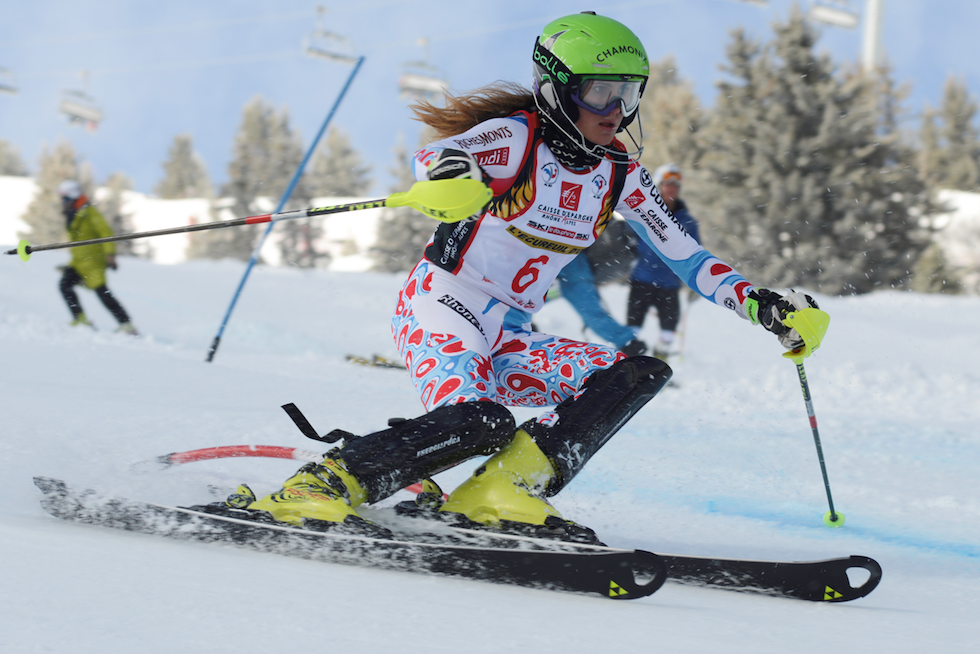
[[465, 111]]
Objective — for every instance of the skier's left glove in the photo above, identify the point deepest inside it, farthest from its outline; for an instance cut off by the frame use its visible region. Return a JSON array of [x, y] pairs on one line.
[[110, 261], [769, 309], [456, 164]]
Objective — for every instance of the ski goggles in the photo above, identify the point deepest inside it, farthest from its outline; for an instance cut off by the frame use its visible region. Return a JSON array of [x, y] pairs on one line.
[[671, 178], [601, 95]]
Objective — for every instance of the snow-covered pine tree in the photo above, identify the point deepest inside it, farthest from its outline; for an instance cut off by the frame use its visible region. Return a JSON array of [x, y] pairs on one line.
[[671, 117], [266, 155], [950, 151], [402, 231], [933, 274], [184, 172], [10, 161], [337, 170], [297, 242], [43, 217], [805, 180], [110, 205]]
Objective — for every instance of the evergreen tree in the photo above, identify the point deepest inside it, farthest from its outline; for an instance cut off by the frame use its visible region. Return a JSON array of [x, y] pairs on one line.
[[671, 117], [402, 231], [111, 208], [45, 222], [933, 274], [184, 173], [950, 155], [297, 238], [266, 155], [337, 169], [805, 180], [10, 161]]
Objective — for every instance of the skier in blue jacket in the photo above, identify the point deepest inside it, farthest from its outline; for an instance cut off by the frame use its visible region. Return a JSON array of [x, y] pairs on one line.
[[652, 283]]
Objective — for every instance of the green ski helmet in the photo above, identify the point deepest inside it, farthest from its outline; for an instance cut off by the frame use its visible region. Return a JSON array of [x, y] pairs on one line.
[[591, 62]]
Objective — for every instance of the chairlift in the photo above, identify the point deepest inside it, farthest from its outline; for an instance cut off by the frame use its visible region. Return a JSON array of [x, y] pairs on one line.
[[80, 107], [4, 87], [324, 44], [418, 85], [421, 80], [838, 14]]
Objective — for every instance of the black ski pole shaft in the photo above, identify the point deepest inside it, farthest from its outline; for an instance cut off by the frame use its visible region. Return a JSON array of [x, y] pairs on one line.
[[816, 436], [250, 220]]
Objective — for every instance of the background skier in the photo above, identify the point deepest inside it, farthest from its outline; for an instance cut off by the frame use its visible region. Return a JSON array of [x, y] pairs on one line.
[[652, 282], [88, 262]]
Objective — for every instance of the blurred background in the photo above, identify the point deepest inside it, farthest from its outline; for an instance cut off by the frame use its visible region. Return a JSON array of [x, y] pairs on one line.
[[166, 101]]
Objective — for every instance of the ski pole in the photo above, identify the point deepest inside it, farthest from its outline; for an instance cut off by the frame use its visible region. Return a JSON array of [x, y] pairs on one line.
[[831, 518], [446, 200], [257, 250], [811, 324]]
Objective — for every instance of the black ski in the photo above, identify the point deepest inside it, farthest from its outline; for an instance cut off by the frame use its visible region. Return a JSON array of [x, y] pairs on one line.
[[819, 581], [607, 572]]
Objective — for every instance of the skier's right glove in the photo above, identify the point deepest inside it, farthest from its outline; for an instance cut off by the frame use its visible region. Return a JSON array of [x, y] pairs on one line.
[[456, 164], [769, 309]]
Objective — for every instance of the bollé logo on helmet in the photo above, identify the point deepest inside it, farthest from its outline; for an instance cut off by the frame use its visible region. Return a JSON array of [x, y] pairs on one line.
[[550, 63]]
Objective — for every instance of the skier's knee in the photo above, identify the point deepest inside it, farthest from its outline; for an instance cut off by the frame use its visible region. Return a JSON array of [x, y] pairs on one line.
[[581, 425]]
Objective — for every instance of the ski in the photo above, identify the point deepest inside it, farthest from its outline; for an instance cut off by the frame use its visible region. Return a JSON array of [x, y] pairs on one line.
[[603, 571], [819, 581]]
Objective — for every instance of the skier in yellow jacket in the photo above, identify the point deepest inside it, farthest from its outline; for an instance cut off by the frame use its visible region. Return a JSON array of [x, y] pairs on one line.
[[88, 262]]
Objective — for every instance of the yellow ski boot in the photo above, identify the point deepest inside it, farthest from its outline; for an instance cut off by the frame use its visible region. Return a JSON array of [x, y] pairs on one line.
[[80, 319], [319, 496], [507, 487], [507, 493]]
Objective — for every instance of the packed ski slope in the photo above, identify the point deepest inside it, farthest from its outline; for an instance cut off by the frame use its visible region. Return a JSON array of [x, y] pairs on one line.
[[724, 464]]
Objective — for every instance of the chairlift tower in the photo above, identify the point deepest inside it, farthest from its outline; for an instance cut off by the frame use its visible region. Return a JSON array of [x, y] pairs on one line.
[[871, 41], [839, 14], [80, 107], [422, 80]]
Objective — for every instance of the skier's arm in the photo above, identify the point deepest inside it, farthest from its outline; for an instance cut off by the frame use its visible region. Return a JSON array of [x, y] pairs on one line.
[[643, 208], [496, 145], [704, 273]]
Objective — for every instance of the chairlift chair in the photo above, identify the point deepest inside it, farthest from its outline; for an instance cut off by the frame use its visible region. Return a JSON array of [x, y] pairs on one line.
[[838, 14], [81, 109], [415, 85], [327, 45], [4, 87]]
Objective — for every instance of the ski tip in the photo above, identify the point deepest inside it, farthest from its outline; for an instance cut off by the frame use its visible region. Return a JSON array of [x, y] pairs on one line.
[[49, 485]]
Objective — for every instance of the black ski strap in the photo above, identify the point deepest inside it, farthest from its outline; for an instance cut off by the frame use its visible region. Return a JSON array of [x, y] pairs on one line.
[[304, 426]]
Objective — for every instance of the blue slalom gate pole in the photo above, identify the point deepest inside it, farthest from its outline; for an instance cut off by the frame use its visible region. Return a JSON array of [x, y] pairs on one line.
[[282, 203]]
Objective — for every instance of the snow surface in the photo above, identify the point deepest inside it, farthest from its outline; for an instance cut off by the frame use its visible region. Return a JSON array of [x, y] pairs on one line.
[[722, 465]]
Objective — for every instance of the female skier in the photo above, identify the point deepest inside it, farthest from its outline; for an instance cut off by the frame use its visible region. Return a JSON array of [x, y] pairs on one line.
[[463, 319]]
